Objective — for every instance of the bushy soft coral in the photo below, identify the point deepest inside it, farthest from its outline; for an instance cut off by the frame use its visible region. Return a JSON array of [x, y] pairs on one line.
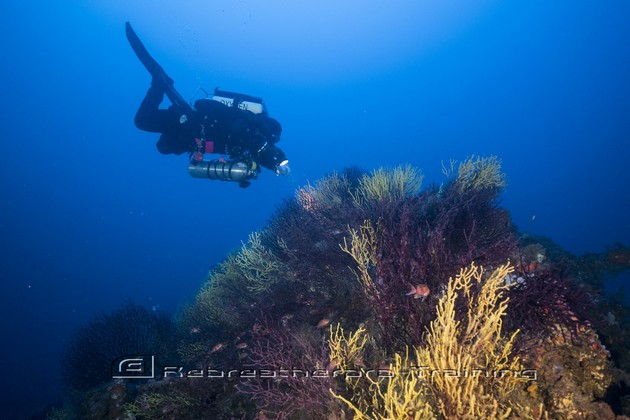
[[298, 360], [424, 239], [130, 330]]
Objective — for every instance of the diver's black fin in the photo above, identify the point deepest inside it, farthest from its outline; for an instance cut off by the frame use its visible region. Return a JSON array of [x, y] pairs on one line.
[[157, 72]]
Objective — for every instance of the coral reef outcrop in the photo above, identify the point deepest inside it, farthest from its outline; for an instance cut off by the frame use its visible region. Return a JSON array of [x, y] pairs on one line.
[[367, 296]]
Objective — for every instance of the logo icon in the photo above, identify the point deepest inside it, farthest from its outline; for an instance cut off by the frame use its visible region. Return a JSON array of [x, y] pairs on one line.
[[134, 367]]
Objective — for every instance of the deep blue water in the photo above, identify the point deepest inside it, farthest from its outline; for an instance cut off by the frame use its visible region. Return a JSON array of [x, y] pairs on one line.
[[91, 216]]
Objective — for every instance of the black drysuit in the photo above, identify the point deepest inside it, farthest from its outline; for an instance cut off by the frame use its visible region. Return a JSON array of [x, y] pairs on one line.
[[234, 132]]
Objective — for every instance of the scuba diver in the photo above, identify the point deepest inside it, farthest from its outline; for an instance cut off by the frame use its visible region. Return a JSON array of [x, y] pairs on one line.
[[230, 124], [216, 128]]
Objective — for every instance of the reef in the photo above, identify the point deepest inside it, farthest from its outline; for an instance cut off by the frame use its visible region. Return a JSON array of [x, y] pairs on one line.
[[369, 296]]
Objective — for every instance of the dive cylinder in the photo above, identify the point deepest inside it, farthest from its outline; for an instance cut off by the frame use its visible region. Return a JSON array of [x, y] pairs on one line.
[[240, 100], [223, 170]]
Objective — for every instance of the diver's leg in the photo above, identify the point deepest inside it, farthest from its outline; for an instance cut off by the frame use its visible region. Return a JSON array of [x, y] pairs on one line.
[[149, 117]]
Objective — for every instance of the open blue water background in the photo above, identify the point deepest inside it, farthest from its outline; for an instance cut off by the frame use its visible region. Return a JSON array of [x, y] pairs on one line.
[[92, 216]]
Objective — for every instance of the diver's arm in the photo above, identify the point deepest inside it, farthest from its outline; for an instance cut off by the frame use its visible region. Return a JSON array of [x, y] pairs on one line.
[[272, 157]]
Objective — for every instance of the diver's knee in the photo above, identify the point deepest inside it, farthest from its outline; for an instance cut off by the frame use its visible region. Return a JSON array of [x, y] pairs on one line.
[[140, 121]]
